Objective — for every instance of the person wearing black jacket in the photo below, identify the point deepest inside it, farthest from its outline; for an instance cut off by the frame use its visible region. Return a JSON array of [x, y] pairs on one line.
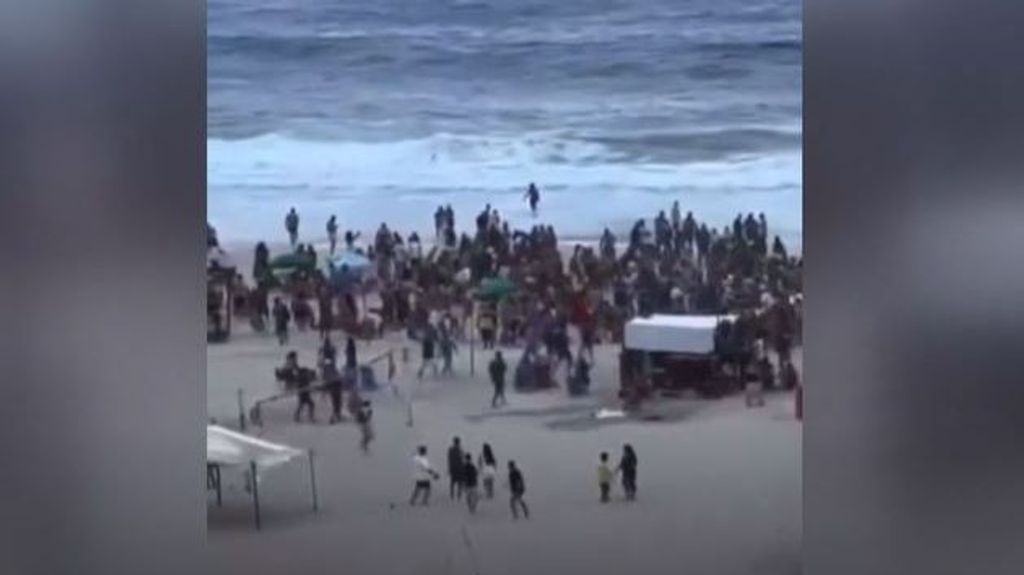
[[517, 486], [281, 319], [470, 476], [455, 464], [497, 370], [627, 467]]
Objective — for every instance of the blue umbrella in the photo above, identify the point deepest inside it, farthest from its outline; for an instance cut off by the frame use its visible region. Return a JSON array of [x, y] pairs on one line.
[[348, 268]]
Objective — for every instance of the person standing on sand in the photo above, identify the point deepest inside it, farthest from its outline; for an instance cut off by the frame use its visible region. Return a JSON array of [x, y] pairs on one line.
[[448, 349], [364, 417], [470, 475], [488, 469], [332, 232], [517, 486], [422, 474], [497, 370], [325, 317], [533, 196], [291, 224], [627, 466], [429, 345], [604, 477], [350, 354], [455, 460], [281, 318], [439, 223]]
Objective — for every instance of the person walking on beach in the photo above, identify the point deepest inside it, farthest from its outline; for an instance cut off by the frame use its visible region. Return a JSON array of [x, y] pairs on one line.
[[604, 477], [281, 318], [517, 486], [627, 467], [455, 460], [364, 417], [422, 473], [470, 476], [487, 323], [448, 349], [428, 349], [350, 354], [291, 224], [488, 470], [325, 316], [332, 232], [303, 380], [497, 370], [333, 385], [533, 196]]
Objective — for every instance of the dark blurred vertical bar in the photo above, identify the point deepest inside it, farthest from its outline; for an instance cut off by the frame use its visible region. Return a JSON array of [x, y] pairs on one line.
[[914, 228], [102, 200]]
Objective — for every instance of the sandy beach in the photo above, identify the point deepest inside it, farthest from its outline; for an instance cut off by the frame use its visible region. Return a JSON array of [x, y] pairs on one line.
[[719, 484]]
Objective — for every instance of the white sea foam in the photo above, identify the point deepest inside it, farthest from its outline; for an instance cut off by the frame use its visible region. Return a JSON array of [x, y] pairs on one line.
[[252, 182]]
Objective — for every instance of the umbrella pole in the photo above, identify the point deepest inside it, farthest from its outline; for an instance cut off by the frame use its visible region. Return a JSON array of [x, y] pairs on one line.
[[312, 482], [255, 493], [472, 340]]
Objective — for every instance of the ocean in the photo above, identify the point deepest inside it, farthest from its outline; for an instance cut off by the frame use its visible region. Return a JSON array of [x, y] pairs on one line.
[[379, 111]]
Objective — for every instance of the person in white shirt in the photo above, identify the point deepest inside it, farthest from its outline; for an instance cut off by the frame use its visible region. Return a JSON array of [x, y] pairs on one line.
[[423, 473]]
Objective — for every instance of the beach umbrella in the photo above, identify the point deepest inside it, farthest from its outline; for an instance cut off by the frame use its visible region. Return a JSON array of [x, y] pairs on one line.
[[498, 287], [351, 261], [347, 269], [286, 264]]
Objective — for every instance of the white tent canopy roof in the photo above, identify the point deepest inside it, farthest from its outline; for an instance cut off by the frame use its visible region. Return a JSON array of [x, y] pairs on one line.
[[674, 333], [226, 447]]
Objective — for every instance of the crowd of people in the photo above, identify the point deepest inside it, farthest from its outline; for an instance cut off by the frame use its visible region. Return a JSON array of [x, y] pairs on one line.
[[676, 265]]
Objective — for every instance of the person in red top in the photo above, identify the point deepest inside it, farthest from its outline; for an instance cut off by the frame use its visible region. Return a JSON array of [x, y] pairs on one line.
[[583, 317]]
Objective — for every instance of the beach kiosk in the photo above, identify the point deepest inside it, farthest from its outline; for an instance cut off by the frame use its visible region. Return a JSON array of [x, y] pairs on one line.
[[671, 352], [220, 288], [227, 449]]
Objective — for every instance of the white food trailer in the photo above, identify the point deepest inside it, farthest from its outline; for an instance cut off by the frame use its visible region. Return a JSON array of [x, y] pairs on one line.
[[670, 352]]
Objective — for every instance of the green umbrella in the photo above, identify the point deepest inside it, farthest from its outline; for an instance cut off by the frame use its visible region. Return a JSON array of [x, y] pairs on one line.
[[498, 287]]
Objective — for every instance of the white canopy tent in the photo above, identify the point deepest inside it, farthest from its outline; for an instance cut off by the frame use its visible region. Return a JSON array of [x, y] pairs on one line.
[[227, 448]]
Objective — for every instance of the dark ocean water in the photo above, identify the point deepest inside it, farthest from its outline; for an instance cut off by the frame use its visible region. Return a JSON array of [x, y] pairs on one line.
[[379, 110]]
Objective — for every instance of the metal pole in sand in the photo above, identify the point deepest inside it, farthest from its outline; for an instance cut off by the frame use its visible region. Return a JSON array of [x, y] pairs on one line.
[[216, 474], [255, 493], [312, 482], [241, 409], [472, 340]]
